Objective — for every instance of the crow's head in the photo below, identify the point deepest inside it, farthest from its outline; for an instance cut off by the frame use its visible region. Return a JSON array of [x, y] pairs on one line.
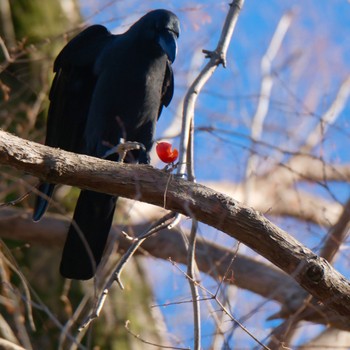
[[162, 28]]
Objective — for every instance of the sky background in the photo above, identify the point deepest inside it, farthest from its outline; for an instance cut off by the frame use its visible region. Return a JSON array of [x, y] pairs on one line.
[[313, 61]]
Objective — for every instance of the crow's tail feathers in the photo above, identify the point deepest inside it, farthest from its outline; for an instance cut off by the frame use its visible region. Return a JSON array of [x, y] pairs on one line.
[[87, 235], [41, 203]]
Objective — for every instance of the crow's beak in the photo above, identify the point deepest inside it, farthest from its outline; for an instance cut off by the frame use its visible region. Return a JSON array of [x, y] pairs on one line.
[[167, 41]]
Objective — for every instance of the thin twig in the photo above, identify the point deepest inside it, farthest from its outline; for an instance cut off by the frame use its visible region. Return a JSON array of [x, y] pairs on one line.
[[5, 52], [71, 321], [161, 224], [127, 324], [329, 117], [11, 263], [39, 305], [214, 297], [16, 201], [191, 272]]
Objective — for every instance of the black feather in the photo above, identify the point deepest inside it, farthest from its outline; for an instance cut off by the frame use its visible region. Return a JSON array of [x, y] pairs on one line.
[[107, 87]]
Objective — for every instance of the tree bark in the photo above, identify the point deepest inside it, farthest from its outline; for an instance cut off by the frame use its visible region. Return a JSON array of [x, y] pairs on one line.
[[144, 183]]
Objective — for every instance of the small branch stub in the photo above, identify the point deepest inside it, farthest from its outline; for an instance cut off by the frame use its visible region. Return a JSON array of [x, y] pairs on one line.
[[217, 57], [315, 272]]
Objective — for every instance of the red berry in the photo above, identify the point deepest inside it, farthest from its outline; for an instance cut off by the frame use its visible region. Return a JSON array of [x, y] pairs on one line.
[[165, 153]]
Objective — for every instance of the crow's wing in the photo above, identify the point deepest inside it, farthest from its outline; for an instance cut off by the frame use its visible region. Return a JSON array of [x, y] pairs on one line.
[[70, 98], [72, 88]]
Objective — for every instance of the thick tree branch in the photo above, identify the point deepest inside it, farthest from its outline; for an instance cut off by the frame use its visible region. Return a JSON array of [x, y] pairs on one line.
[[147, 184]]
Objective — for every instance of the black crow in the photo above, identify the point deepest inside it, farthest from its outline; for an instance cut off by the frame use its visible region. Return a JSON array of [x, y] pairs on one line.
[[107, 88]]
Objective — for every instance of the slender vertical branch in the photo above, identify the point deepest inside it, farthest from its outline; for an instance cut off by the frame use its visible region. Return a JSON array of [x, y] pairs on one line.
[[265, 94], [186, 164], [329, 117], [191, 273], [7, 23], [217, 57], [337, 234]]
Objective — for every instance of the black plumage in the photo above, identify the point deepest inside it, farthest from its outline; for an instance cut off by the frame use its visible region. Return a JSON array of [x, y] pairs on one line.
[[107, 88]]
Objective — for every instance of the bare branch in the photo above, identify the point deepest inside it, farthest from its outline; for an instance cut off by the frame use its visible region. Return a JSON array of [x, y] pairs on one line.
[[217, 57], [192, 273], [337, 234], [116, 275], [127, 327], [266, 88], [330, 116], [215, 209], [7, 345]]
